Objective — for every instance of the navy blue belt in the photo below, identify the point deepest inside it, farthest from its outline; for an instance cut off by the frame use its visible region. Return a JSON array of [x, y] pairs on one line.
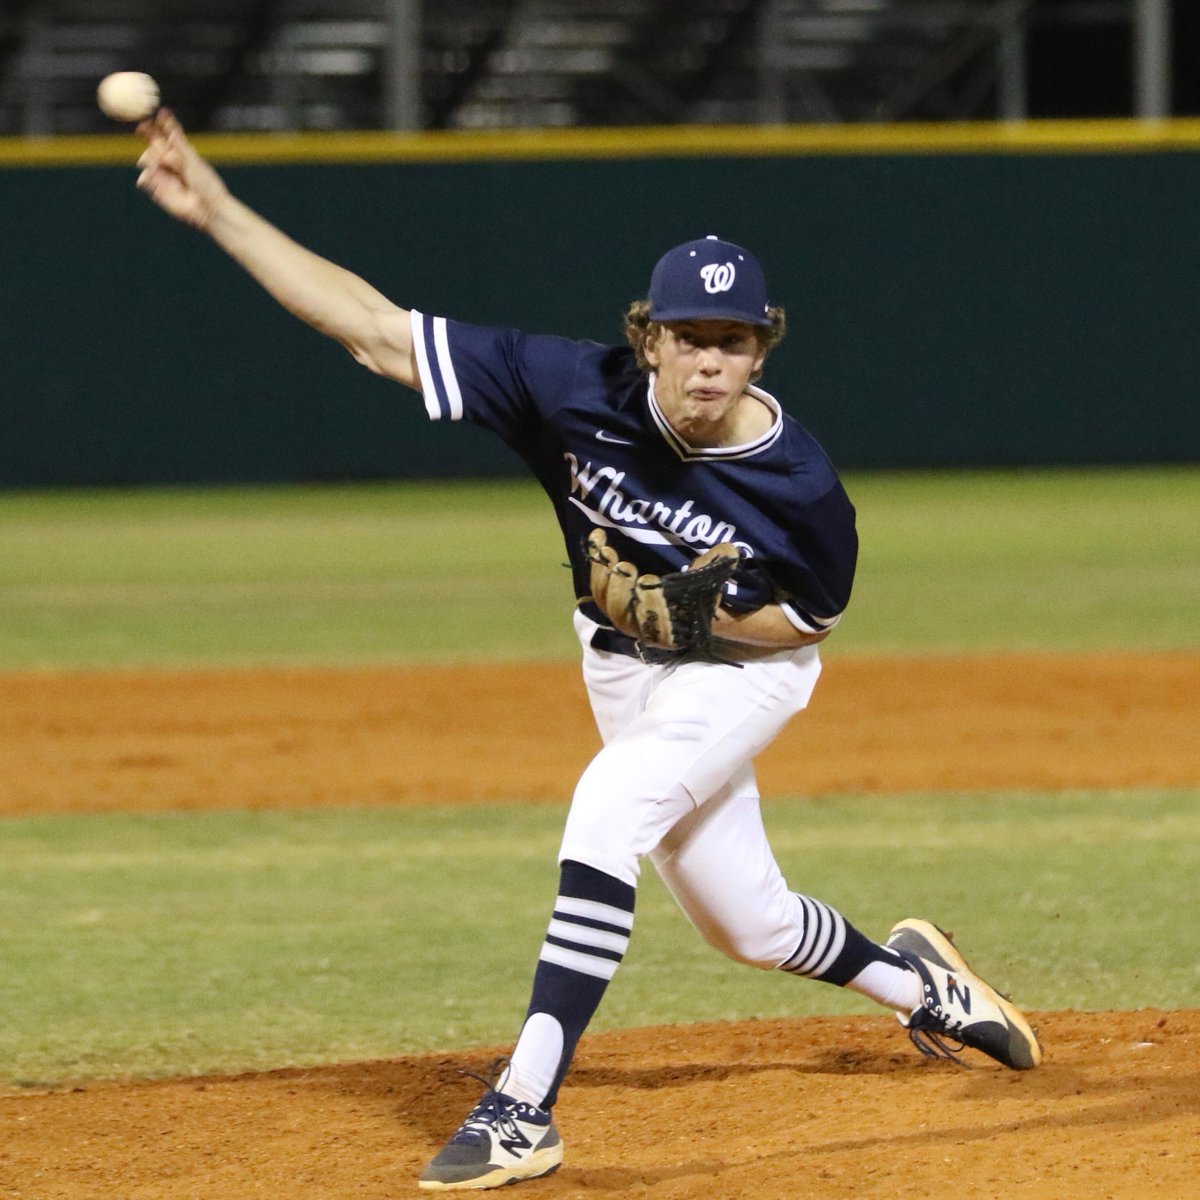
[[614, 642], [619, 643]]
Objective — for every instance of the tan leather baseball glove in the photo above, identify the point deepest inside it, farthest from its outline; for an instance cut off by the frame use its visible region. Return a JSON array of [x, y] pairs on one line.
[[670, 612]]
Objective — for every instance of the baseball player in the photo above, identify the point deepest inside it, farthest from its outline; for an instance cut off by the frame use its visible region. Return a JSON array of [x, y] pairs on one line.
[[713, 547]]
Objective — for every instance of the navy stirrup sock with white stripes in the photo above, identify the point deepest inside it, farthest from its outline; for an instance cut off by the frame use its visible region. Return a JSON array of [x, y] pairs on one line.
[[586, 940], [832, 950]]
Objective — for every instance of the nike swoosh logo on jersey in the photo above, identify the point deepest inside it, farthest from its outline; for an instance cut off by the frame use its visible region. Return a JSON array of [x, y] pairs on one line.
[[602, 436]]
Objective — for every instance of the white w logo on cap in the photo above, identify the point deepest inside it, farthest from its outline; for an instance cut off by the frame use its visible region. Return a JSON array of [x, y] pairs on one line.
[[718, 277]]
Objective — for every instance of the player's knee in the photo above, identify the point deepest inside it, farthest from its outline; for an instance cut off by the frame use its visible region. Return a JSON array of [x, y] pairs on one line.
[[617, 815], [753, 948]]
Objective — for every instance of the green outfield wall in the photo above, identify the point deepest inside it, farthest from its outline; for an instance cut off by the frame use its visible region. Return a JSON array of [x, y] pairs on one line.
[[971, 295]]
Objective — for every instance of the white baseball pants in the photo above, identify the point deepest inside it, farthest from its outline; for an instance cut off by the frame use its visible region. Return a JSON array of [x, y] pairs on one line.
[[675, 781]]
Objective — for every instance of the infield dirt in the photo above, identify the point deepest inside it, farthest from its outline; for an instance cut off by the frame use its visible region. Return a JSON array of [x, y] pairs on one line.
[[814, 1108]]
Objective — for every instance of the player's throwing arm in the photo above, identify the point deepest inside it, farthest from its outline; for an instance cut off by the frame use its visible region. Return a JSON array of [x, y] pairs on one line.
[[331, 299]]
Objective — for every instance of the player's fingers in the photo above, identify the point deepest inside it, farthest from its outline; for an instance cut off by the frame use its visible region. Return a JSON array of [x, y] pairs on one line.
[[153, 183], [177, 139], [161, 159], [172, 157], [150, 130], [151, 156]]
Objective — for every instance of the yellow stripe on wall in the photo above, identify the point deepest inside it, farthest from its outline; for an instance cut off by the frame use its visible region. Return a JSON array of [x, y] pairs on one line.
[[676, 141]]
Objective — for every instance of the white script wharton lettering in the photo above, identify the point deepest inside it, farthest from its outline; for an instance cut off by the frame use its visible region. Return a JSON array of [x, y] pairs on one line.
[[601, 488]]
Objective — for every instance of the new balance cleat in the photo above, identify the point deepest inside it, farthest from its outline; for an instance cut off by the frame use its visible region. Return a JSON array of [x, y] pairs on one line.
[[503, 1140], [957, 1006]]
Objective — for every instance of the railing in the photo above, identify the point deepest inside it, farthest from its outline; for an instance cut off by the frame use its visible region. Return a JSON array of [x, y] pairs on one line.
[[477, 64]]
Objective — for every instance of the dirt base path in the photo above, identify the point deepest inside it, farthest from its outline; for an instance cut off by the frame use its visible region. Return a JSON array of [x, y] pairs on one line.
[[265, 739], [820, 1108]]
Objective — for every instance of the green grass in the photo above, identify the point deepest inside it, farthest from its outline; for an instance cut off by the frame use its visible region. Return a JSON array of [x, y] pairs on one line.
[[281, 575], [1059, 560], [1069, 560], [164, 945], [160, 945]]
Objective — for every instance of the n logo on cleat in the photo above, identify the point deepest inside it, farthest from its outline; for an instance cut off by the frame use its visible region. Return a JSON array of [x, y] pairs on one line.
[[514, 1140], [955, 992]]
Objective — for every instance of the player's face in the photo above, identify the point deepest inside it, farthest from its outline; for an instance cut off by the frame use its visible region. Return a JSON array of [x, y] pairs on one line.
[[702, 370]]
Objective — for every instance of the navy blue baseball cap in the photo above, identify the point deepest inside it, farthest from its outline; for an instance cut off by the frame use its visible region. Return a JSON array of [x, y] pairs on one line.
[[709, 279]]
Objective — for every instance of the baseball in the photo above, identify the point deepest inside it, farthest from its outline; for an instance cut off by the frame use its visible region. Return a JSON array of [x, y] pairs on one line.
[[127, 96]]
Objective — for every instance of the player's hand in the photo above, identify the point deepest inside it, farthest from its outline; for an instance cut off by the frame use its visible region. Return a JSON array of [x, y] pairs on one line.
[[174, 175]]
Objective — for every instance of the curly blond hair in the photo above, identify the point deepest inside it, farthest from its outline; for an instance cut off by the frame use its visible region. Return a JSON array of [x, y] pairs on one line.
[[641, 329]]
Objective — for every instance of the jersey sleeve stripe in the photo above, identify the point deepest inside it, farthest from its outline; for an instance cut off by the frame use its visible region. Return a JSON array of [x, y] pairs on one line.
[[441, 341], [439, 384], [805, 621], [428, 384]]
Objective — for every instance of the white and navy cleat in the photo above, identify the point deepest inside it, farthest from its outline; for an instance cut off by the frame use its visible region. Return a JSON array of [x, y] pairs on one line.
[[957, 1005], [502, 1141]]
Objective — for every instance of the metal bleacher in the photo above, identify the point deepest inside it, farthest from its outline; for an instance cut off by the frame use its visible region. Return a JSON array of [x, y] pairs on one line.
[[562, 62], [871, 60], [223, 64], [333, 64]]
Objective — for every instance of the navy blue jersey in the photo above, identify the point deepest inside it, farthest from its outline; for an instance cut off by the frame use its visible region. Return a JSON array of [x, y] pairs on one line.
[[584, 418]]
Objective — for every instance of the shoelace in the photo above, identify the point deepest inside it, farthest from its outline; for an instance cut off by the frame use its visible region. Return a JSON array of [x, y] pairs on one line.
[[933, 1046], [492, 1110], [931, 1043]]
